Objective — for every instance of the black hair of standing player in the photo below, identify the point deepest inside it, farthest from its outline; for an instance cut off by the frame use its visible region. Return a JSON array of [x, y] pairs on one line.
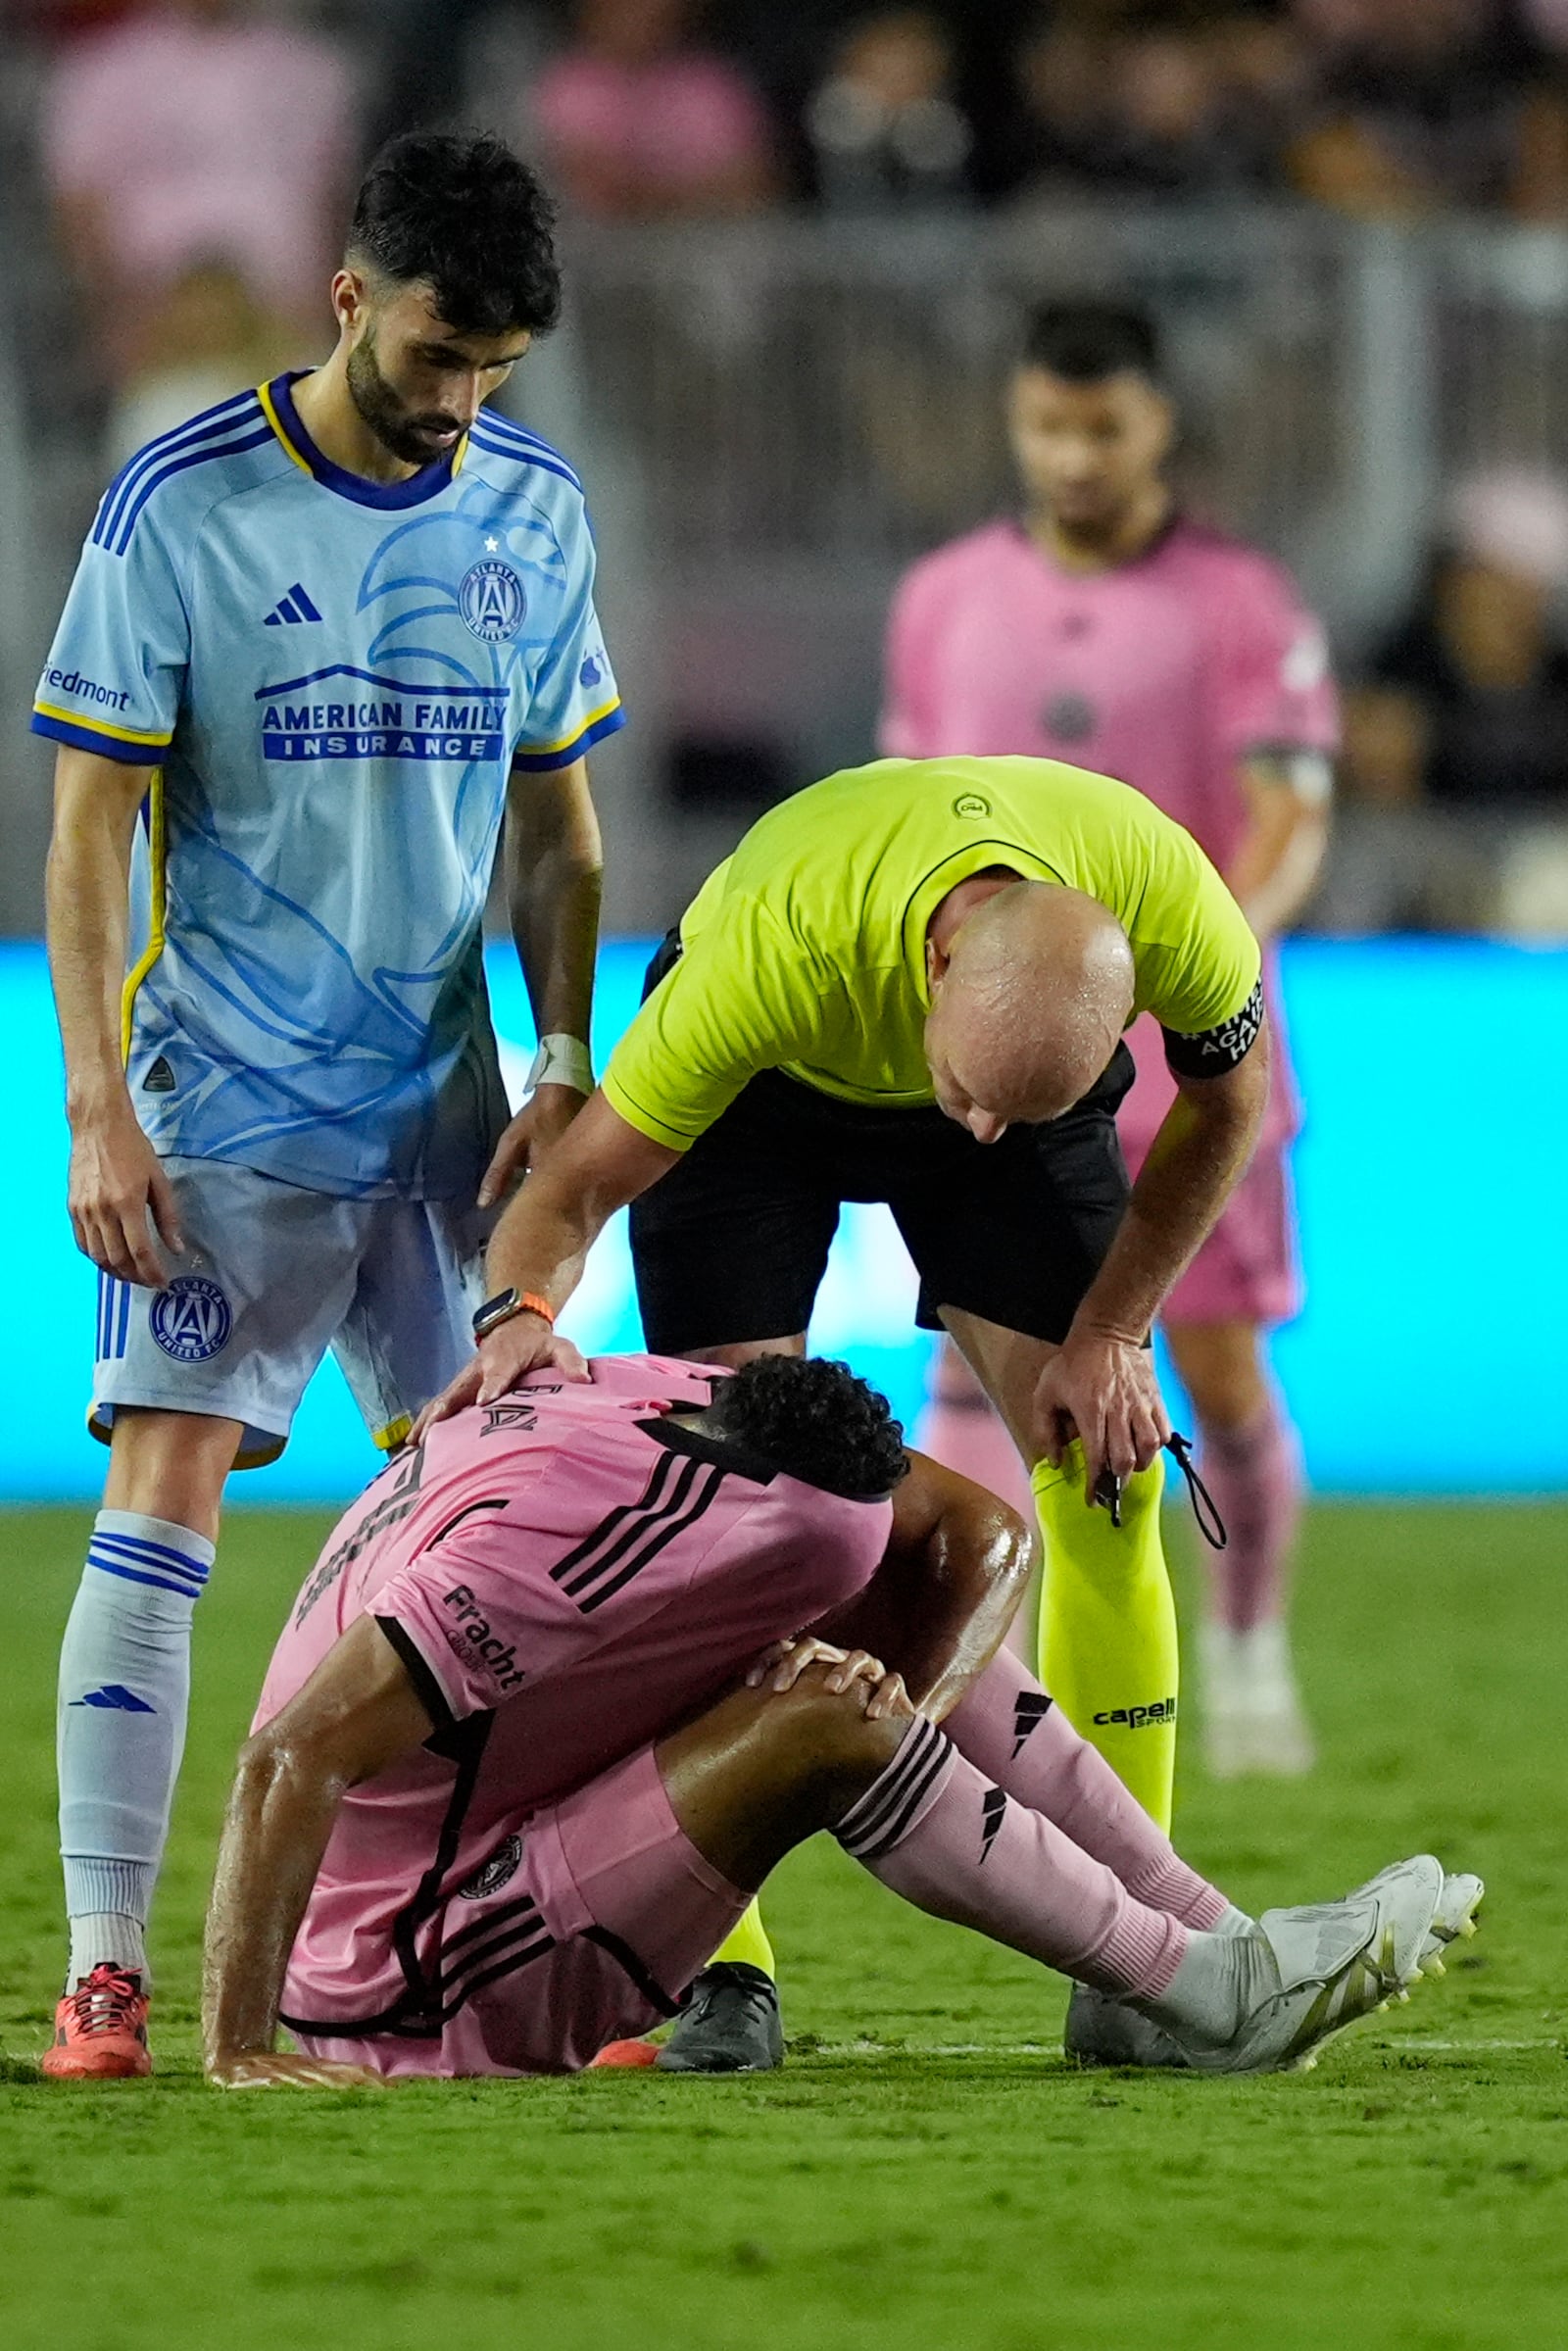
[[815, 1420], [459, 211], [1086, 342]]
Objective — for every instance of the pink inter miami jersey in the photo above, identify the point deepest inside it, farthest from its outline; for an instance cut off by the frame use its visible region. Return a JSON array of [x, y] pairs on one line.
[[1167, 672], [564, 1574]]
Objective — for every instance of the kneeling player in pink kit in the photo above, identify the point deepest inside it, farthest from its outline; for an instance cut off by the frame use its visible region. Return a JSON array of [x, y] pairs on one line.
[[512, 1784], [1105, 627]]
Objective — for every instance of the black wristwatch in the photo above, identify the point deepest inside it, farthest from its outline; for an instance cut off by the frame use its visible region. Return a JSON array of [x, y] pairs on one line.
[[502, 1307]]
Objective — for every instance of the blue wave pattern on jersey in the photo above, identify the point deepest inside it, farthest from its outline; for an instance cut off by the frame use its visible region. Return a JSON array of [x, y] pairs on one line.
[[334, 788]]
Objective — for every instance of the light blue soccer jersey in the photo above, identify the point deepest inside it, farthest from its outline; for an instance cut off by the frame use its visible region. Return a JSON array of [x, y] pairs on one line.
[[335, 678]]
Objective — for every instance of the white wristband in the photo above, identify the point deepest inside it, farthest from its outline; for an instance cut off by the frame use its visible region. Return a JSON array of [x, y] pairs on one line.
[[561, 1061]]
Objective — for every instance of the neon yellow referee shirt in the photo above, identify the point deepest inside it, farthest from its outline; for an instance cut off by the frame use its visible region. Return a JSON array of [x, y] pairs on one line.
[[805, 950]]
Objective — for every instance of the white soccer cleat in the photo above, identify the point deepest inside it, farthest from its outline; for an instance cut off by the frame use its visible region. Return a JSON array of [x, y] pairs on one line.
[[1315, 1969], [1253, 1716]]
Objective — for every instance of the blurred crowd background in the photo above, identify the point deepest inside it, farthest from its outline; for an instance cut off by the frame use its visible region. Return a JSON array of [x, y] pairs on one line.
[[798, 242]]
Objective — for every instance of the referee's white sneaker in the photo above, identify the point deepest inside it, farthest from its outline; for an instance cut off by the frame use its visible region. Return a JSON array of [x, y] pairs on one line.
[[1253, 1716], [1265, 2002]]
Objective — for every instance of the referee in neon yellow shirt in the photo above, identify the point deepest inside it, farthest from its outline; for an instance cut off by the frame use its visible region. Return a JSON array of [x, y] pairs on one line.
[[910, 984]]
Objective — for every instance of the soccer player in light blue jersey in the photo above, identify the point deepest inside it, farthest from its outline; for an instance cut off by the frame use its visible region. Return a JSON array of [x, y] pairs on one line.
[[325, 642]]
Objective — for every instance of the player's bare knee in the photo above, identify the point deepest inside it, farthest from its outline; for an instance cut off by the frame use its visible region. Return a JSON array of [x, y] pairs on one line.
[[828, 1732]]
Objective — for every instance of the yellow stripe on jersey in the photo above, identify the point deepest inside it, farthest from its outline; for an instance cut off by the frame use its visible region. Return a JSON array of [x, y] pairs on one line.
[[541, 751], [263, 393], [805, 950], [101, 726], [155, 937]]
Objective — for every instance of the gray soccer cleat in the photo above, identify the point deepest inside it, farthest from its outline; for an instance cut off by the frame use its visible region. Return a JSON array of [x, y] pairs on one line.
[[1104, 2030], [730, 2025], [1318, 1969]]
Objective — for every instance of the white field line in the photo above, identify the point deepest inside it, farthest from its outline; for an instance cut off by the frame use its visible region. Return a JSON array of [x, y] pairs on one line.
[[1043, 2049]]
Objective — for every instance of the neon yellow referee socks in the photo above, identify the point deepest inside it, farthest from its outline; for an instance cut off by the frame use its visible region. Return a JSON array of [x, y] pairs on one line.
[[747, 1940], [1108, 1626]]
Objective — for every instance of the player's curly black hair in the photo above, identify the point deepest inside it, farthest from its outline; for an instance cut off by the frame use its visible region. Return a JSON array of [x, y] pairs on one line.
[[461, 213], [816, 1421]]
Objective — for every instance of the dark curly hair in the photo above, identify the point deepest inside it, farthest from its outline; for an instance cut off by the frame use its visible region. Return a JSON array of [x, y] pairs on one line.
[[463, 214], [816, 1421]]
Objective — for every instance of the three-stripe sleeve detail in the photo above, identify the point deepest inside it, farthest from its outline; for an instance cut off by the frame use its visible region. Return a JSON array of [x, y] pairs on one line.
[[678, 1492]]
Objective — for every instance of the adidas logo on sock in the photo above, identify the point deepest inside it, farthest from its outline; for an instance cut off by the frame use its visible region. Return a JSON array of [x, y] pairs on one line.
[[1031, 1708], [115, 1698], [295, 605], [991, 1813]]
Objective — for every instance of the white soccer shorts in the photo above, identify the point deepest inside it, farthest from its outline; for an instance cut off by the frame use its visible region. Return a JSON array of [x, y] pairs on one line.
[[272, 1277]]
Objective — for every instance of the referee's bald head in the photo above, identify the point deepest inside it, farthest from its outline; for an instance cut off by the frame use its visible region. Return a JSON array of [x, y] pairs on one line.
[[1035, 990]]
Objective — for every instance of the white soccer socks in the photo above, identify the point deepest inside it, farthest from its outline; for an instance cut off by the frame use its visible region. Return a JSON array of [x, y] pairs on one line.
[[125, 1687]]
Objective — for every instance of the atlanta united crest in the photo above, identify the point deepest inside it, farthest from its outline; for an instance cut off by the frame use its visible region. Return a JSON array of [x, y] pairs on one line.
[[191, 1319], [492, 602]]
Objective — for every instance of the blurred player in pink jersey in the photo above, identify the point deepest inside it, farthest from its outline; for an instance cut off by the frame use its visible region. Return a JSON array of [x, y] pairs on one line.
[[1104, 628], [512, 1781]]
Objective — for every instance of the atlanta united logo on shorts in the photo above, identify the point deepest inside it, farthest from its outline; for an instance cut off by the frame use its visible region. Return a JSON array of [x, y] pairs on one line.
[[492, 602], [191, 1319]]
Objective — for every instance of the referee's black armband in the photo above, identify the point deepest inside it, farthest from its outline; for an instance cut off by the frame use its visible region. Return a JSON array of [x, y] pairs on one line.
[[1213, 1052]]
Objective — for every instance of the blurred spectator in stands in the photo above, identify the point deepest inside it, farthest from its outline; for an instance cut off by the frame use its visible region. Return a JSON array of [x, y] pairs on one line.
[[1457, 744], [1152, 103], [1424, 104], [885, 128], [1064, 77], [1176, 132], [192, 130], [639, 123], [206, 337]]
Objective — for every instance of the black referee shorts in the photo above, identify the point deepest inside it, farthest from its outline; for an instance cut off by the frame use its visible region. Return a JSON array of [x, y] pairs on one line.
[[732, 1243]]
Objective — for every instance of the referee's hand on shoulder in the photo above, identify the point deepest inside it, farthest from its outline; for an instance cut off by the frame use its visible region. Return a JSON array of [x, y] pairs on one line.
[[506, 1356]]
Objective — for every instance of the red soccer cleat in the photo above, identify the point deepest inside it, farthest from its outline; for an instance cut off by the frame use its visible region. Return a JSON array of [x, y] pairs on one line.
[[100, 2029], [625, 2052]]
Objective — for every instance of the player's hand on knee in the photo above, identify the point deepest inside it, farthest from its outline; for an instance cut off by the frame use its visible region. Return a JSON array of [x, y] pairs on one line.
[[888, 1700], [265, 2069], [541, 1122], [119, 1196], [782, 1664]]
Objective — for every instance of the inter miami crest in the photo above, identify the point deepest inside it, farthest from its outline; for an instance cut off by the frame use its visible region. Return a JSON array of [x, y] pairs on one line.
[[492, 602], [492, 1875]]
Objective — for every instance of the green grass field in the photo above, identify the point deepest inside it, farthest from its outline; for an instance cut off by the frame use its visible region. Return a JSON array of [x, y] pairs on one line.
[[925, 2172]]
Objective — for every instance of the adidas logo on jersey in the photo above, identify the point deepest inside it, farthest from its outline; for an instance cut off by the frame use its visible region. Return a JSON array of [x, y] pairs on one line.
[[295, 605]]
